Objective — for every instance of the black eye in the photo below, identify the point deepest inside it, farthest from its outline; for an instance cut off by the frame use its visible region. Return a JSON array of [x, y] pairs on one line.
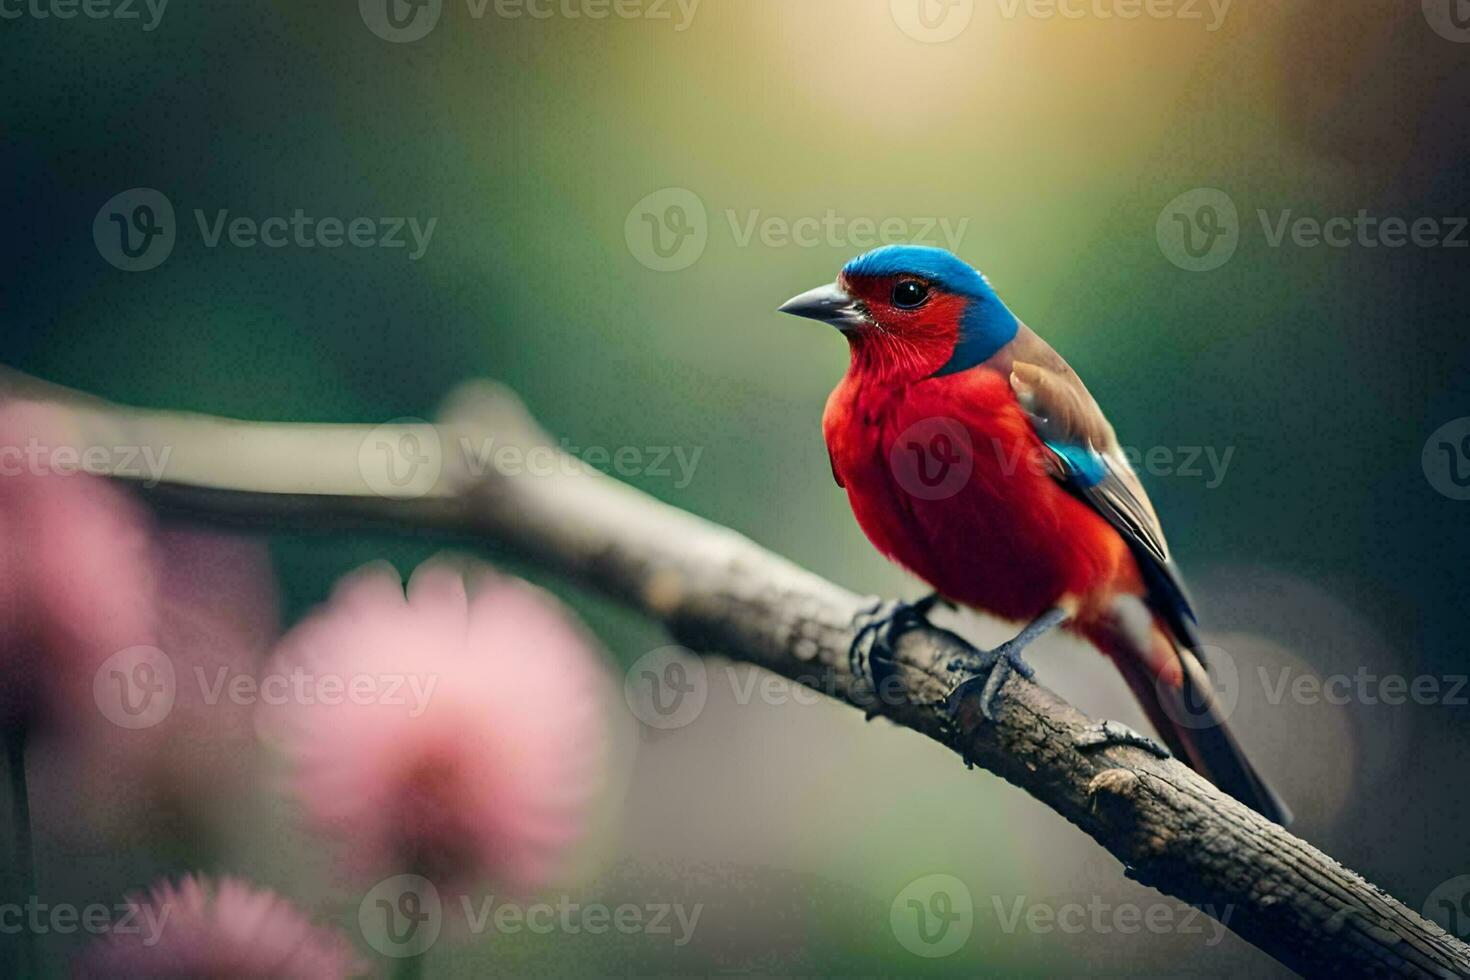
[[909, 294]]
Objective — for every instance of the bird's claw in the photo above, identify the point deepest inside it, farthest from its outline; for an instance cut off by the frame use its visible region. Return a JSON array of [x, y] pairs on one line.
[[988, 670], [1105, 734], [877, 627]]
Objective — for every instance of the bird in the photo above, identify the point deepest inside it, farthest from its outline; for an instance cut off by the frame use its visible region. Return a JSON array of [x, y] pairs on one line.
[[973, 456]]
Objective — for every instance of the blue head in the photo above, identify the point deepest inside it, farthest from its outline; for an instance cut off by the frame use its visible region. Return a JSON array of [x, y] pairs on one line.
[[918, 298]]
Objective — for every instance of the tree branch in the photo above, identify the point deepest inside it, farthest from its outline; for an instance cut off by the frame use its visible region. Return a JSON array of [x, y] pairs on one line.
[[718, 592]]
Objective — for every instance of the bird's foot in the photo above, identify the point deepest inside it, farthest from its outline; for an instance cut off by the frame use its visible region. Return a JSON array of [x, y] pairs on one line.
[[1106, 734], [877, 628], [989, 669], [986, 670]]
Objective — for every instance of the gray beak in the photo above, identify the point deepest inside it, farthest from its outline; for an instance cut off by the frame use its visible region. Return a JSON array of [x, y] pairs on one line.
[[830, 304]]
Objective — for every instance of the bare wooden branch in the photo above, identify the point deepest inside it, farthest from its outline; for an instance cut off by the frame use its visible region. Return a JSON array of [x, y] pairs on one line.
[[718, 592]]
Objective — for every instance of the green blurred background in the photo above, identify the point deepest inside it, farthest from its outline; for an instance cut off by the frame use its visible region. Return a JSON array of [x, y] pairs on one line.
[[1056, 142]]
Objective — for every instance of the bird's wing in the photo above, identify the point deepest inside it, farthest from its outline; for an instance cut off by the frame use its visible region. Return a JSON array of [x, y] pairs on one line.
[[1091, 464]]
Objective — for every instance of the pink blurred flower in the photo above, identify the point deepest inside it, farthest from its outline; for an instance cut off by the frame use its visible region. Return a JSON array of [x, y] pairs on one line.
[[77, 581], [483, 762], [225, 930]]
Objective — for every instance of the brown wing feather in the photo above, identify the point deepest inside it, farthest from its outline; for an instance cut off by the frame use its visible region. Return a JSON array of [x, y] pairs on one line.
[[1065, 413]]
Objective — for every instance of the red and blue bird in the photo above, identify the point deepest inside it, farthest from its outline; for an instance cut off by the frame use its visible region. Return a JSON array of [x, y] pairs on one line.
[[974, 457]]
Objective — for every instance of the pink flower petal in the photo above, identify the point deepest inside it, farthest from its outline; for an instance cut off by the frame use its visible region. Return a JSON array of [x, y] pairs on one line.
[[490, 770]]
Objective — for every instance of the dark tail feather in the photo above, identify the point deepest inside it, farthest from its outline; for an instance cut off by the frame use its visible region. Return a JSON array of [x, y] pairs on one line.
[[1189, 718]]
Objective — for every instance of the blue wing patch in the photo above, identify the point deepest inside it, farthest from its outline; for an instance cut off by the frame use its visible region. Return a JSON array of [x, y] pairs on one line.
[[1085, 468]]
